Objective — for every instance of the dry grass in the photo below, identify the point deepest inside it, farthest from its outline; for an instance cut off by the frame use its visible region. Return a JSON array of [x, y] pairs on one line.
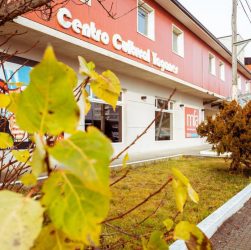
[[209, 177]]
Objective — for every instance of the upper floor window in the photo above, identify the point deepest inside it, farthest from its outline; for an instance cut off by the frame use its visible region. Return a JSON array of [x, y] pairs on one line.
[[212, 69], [178, 41], [222, 71], [145, 19], [248, 88], [88, 2], [239, 83]]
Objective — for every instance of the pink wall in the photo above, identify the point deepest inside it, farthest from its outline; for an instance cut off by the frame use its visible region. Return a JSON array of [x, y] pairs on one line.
[[193, 67]]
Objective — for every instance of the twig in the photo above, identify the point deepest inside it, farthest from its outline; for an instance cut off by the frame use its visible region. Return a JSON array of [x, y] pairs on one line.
[[121, 178], [144, 131], [155, 210], [141, 203]]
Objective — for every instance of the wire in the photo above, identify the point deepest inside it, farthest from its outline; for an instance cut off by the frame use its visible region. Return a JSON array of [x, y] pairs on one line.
[[245, 10], [248, 5]]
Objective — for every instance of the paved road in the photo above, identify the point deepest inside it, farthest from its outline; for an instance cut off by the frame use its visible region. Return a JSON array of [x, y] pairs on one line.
[[235, 233]]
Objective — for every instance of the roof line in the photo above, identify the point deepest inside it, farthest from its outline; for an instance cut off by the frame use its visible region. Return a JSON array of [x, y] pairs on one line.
[[191, 16]]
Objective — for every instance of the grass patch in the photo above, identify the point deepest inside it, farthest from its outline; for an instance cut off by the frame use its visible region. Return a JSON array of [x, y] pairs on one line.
[[209, 177]]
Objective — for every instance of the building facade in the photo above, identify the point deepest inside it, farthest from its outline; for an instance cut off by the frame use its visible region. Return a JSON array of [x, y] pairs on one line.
[[154, 47]]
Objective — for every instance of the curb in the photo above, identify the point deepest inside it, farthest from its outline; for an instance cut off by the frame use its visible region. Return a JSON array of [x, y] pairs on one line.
[[142, 162], [211, 223]]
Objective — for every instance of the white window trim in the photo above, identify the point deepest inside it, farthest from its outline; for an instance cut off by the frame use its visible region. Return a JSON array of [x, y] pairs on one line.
[[239, 83], [165, 111], [151, 20], [89, 3], [182, 54], [119, 103], [222, 64], [213, 56]]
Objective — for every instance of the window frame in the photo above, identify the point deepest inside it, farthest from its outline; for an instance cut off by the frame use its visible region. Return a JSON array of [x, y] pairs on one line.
[[168, 110], [222, 77], [89, 3], [239, 83], [181, 50], [150, 22], [120, 103], [211, 56]]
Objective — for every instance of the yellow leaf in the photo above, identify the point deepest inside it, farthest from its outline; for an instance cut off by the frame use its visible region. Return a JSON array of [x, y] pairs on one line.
[[107, 87], [6, 140], [4, 100], [125, 159], [86, 101], [28, 179], [180, 193], [192, 194], [21, 155], [168, 223], [86, 69], [179, 176]]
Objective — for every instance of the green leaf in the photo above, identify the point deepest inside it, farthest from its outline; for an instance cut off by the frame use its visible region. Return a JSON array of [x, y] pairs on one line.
[[48, 105], [4, 100], [192, 235], [86, 101], [107, 87], [179, 176], [55, 240], [21, 221], [125, 160], [21, 155], [168, 223], [6, 141], [180, 194], [192, 194], [87, 155], [73, 208], [28, 179], [155, 242]]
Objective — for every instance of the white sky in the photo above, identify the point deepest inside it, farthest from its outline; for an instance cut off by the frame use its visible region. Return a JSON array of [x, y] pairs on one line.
[[215, 15]]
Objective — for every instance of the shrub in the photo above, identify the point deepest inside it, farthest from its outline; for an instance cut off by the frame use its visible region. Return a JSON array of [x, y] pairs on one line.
[[230, 132]]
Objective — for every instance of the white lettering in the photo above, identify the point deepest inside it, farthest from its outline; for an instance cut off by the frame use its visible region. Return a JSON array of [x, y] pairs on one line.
[[64, 18], [64, 12], [117, 42], [76, 26]]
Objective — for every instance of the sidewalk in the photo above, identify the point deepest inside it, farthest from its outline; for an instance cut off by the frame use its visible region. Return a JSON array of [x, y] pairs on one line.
[[193, 150], [235, 233]]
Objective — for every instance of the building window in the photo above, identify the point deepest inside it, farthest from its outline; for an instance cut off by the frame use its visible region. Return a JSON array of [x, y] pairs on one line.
[[222, 71], [88, 2], [164, 120], [178, 41], [103, 117], [145, 20], [239, 83], [248, 89], [212, 64]]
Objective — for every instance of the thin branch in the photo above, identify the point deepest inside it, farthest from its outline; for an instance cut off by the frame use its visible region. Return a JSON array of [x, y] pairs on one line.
[[120, 216], [120, 178], [144, 131]]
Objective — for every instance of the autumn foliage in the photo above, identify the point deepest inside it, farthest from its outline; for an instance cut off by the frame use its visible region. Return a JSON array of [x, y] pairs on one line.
[[230, 131]]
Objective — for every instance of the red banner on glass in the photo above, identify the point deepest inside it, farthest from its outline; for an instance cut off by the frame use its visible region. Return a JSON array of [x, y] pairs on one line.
[[191, 122]]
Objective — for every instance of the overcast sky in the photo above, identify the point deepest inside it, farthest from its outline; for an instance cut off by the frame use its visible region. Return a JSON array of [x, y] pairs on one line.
[[215, 15]]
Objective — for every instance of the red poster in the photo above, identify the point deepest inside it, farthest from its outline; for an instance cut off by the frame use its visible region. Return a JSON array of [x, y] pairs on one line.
[[191, 122]]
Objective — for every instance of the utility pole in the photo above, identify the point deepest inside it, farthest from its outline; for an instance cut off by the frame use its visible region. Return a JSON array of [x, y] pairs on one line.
[[234, 51]]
